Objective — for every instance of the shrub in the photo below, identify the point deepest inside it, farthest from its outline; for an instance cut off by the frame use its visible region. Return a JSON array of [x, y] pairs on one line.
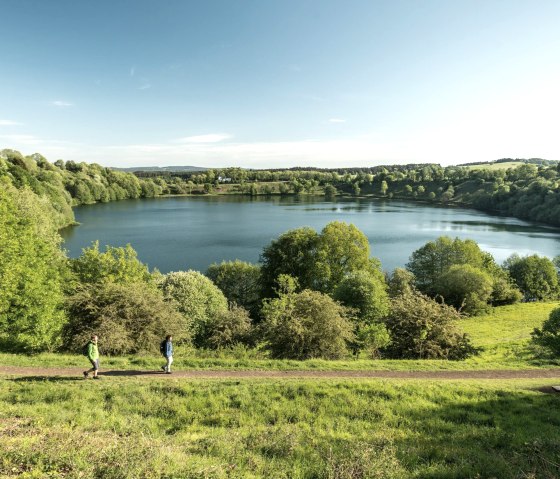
[[549, 336], [366, 294], [535, 276], [466, 288], [372, 339], [305, 325], [231, 327], [198, 299], [421, 328], [128, 318]]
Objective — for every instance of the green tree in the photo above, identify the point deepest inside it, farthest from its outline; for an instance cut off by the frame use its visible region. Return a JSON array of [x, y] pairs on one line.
[[421, 328], [466, 288], [535, 276], [399, 282], [305, 325], [384, 188], [128, 318], [32, 273], [549, 335], [342, 249], [115, 265], [293, 253], [240, 282], [198, 299], [365, 293]]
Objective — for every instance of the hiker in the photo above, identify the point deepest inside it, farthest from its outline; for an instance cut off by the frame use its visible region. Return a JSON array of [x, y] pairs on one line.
[[92, 354], [166, 349]]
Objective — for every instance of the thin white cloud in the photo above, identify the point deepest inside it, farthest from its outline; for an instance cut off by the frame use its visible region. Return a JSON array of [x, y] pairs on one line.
[[209, 138], [132, 71], [145, 85], [9, 123], [337, 120], [61, 103]]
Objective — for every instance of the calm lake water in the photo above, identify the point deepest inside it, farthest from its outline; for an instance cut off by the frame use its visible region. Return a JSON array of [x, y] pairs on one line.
[[181, 233]]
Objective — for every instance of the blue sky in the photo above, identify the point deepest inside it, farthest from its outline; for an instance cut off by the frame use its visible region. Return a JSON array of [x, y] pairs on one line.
[[280, 83]]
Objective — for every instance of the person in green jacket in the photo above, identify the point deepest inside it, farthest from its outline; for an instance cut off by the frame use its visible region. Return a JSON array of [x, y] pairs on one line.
[[93, 356]]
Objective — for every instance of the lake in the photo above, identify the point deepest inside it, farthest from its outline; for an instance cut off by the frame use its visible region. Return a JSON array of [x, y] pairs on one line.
[[180, 233]]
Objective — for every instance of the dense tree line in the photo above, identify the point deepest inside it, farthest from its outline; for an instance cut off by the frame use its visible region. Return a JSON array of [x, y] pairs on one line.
[[530, 191]]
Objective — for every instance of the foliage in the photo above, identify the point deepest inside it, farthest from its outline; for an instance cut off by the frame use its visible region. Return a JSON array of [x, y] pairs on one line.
[[198, 299], [305, 325], [231, 327], [32, 273], [549, 336], [366, 294], [422, 328], [432, 262], [372, 338], [128, 318], [293, 253], [115, 265], [342, 249], [535, 276], [400, 282], [466, 288], [240, 282], [317, 261]]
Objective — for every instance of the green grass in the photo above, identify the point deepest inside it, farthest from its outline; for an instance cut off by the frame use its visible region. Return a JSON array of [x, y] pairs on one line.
[[130, 428], [496, 166], [503, 334]]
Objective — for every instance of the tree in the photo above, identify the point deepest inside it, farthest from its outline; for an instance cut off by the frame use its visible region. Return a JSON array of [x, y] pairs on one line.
[[384, 188], [115, 265], [466, 288], [432, 260], [198, 299], [535, 276], [305, 325], [240, 282], [330, 191], [128, 318], [32, 273], [421, 328], [399, 282], [549, 336], [342, 249], [366, 294], [293, 253]]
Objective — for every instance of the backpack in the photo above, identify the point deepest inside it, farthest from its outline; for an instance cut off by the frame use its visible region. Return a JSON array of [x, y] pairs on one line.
[[85, 349], [162, 346]]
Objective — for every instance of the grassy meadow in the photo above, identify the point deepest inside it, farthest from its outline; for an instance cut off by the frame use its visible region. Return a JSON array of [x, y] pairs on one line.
[[130, 428]]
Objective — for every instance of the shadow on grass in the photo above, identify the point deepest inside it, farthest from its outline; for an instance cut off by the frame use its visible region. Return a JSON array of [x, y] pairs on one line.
[[30, 379], [514, 435], [130, 372]]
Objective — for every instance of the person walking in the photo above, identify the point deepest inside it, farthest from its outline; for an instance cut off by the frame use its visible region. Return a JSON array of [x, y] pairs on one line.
[[93, 356], [166, 349]]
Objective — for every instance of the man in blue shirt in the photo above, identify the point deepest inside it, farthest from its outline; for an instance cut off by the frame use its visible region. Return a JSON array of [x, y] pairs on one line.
[[166, 349]]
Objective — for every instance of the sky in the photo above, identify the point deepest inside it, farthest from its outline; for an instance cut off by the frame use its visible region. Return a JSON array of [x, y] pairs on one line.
[[280, 83]]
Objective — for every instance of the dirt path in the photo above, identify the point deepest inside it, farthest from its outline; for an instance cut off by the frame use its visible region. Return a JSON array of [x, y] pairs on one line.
[[238, 374]]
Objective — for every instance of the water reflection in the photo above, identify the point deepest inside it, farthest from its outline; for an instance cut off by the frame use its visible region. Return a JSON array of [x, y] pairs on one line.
[[186, 232]]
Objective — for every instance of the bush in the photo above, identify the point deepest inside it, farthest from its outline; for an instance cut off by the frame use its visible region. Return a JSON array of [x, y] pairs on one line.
[[549, 336], [198, 299], [366, 294], [305, 325], [535, 276], [372, 339], [421, 328], [231, 327], [128, 318], [466, 288]]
